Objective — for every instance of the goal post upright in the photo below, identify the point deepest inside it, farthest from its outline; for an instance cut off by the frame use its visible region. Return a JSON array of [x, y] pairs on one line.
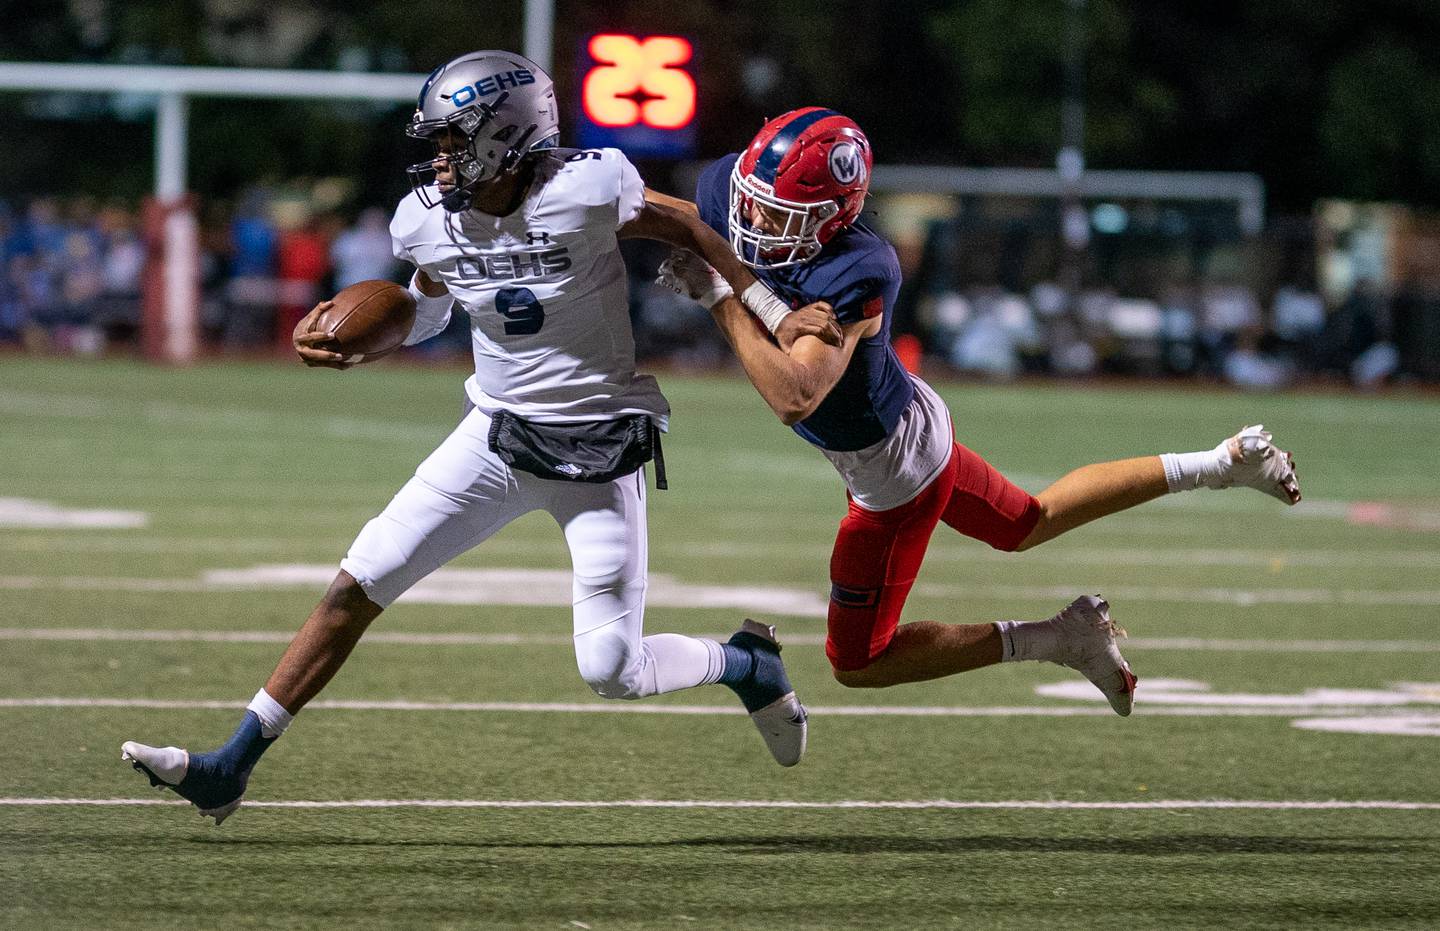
[[170, 318]]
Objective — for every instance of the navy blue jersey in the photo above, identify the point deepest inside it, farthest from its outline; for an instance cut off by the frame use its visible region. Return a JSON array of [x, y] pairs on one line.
[[857, 274]]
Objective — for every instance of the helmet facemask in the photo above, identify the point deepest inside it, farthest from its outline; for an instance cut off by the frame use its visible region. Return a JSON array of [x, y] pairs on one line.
[[487, 152], [798, 240]]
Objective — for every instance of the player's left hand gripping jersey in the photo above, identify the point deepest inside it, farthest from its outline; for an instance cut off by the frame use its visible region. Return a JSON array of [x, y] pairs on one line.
[[545, 289]]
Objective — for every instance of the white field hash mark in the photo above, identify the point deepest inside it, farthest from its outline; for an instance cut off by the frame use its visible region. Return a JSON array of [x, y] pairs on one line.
[[498, 638], [845, 804], [28, 513]]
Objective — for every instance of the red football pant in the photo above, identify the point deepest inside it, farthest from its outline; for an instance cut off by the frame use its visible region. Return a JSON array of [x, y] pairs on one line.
[[877, 554]]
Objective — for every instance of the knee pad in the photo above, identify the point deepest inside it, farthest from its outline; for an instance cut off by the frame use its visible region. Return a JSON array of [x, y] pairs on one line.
[[609, 664]]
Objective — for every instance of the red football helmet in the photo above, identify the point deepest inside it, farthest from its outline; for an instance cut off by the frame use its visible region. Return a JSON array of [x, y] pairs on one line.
[[807, 172]]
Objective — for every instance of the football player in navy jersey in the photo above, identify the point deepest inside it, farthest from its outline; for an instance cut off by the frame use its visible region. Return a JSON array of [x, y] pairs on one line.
[[790, 205]]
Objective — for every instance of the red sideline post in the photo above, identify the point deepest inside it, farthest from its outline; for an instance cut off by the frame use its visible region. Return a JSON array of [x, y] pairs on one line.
[[908, 350], [170, 312]]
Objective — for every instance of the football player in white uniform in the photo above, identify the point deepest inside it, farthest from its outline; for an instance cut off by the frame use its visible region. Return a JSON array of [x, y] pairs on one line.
[[523, 236]]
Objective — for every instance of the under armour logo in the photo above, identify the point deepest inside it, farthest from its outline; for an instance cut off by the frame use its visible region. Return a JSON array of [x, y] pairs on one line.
[[538, 239]]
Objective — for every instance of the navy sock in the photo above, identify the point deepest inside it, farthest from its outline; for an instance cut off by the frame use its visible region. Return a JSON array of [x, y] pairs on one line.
[[739, 664], [236, 758], [753, 671]]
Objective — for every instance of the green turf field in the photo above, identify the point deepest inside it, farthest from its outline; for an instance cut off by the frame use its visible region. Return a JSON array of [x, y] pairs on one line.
[[1286, 658]]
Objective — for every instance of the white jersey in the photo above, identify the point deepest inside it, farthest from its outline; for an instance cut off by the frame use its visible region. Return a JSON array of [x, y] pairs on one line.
[[545, 289]]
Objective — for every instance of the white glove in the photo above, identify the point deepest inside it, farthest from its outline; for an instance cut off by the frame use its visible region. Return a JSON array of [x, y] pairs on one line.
[[690, 276]]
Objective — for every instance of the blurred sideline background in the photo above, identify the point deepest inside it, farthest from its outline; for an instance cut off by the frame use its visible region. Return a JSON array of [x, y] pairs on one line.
[[1248, 193]]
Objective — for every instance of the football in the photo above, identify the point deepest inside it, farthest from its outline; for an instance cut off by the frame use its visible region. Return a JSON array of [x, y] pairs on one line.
[[370, 318]]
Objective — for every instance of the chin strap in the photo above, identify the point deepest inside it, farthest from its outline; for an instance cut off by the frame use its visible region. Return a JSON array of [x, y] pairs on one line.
[[458, 200], [463, 197]]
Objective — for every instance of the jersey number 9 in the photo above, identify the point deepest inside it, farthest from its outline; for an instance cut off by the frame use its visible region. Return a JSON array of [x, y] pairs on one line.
[[522, 312]]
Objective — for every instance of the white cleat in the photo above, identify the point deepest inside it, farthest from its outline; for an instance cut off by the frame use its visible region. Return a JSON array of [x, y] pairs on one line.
[[783, 722], [1086, 643], [1255, 462], [166, 768]]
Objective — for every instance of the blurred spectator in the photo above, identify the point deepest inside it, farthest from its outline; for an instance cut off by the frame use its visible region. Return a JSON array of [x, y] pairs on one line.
[[71, 275], [1070, 353], [43, 234], [1356, 325], [986, 347], [1226, 308], [1246, 366], [1297, 320], [216, 242], [943, 318], [253, 245], [303, 262], [35, 289], [1373, 367], [1049, 299], [82, 278], [1298, 312], [363, 251], [1180, 329], [12, 309], [255, 238], [1416, 320], [1357, 338], [1138, 330], [122, 264]]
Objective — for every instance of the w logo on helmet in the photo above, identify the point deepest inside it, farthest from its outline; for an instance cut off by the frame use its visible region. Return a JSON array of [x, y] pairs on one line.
[[846, 165]]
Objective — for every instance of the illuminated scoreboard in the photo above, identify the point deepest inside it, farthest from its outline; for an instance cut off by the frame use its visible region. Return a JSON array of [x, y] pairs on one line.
[[638, 95]]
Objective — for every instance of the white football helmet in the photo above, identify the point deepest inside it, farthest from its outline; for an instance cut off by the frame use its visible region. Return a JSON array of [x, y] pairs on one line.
[[501, 104]]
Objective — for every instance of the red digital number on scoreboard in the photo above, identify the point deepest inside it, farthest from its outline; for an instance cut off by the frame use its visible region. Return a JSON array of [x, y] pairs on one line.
[[639, 81]]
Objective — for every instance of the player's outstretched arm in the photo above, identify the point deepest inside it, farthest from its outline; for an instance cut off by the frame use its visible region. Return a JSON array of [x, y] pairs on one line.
[[792, 383], [677, 222]]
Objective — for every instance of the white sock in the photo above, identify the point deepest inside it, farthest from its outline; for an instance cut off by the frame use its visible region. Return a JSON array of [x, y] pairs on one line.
[[1184, 471], [1027, 640], [273, 716], [678, 662]]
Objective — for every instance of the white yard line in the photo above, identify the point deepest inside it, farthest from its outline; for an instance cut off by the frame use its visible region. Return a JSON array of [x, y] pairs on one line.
[[552, 587], [845, 804], [863, 711], [1224, 645], [396, 638], [230, 420], [34, 540], [801, 556], [452, 586]]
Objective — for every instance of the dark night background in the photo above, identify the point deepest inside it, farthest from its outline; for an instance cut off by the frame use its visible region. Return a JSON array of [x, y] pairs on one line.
[[1322, 98]]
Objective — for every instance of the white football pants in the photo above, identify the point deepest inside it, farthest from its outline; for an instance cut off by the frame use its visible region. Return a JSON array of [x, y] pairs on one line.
[[463, 493]]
